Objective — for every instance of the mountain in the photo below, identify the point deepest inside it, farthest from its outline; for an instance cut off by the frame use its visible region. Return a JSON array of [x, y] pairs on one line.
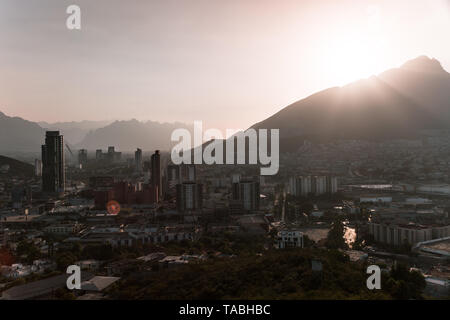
[[395, 104], [132, 134], [19, 135], [16, 167], [74, 132]]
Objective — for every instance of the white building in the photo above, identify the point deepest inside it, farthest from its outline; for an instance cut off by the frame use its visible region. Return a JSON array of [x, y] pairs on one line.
[[398, 234], [289, 239], [319, 185], [304, 185]]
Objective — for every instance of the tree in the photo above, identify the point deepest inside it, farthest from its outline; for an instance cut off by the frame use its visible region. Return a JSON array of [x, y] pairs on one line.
[[335, 238], [29, 250], [65, 259], [404, 284], [6, 257]]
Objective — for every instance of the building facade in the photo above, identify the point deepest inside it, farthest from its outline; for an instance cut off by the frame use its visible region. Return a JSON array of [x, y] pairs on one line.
[[53, 168]]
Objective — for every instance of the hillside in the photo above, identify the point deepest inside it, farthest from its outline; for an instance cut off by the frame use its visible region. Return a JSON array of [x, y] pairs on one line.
[[16, 168], [395, 104], [283, 274], [19, 135]]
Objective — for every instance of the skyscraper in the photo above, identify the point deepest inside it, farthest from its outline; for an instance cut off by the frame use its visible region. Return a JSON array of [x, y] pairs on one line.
[[82, 157], [138, 160], [37, 168], [247, 192], [99, 154], [332, 184], [300, 186], [189, 196], [53, 170], [156, 171]]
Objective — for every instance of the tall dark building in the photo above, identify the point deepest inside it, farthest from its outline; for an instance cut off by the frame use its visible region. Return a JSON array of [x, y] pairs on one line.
[[181, 173], [82, 157], [99, 154], [156, 172], [138, 160], [53, 171], [247, 193], [189, 196]]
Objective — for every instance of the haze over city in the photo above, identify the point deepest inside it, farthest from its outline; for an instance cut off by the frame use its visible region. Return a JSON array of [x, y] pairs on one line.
[[228, 63], [123, 177]]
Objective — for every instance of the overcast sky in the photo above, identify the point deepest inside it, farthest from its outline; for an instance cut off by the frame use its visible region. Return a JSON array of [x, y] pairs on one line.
[[229, 63]]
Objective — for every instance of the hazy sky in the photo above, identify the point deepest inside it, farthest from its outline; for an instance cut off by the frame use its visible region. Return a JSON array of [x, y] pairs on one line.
[[230, 63]]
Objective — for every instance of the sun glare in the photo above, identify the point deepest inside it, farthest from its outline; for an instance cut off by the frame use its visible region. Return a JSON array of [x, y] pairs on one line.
[[351, 54], [351, 58]]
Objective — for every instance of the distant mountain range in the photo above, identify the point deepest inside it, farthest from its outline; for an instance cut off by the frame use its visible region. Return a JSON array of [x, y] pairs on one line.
[[397, 103], [132, 134], [19, 135], [74, 132]]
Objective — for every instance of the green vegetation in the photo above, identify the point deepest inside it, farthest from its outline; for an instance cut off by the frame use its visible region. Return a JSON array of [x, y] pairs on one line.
[[404, 284], [28, 250], [277, 274], [335, 238]]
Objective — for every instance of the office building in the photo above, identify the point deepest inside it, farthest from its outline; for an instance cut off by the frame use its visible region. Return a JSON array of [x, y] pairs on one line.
[[53, 170], [398, 234], [318, 185], [113, 155], [138, 160], [38, 168], [189, 196], [332, 184], [300, 186], [82, 157], [247, 193], [156, 171]]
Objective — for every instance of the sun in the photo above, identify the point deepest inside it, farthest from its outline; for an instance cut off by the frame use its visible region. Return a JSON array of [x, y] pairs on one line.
[[356, 50], [352, 56]]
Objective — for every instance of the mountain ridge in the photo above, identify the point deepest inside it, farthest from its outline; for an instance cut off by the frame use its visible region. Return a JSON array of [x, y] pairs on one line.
[[397, 103]]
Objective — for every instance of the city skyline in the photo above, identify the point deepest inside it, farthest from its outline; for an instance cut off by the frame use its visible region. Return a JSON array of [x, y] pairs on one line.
[[250, 151]]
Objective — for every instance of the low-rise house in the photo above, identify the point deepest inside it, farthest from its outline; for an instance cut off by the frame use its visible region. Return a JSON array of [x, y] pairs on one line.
[[64, 228], [89, 265], [98, 283], [41, 288]]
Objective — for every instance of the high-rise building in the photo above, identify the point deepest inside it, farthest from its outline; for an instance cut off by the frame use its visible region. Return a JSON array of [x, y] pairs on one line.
[[37, 168], [138, 160], [189, 196], [99, 154], [177, 174], [300, 186], [188, 173], [332, 184], [82, 157], [156, 171], [173, 173], [113, 155], [319, 185], [53, 170], [247, 193]]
